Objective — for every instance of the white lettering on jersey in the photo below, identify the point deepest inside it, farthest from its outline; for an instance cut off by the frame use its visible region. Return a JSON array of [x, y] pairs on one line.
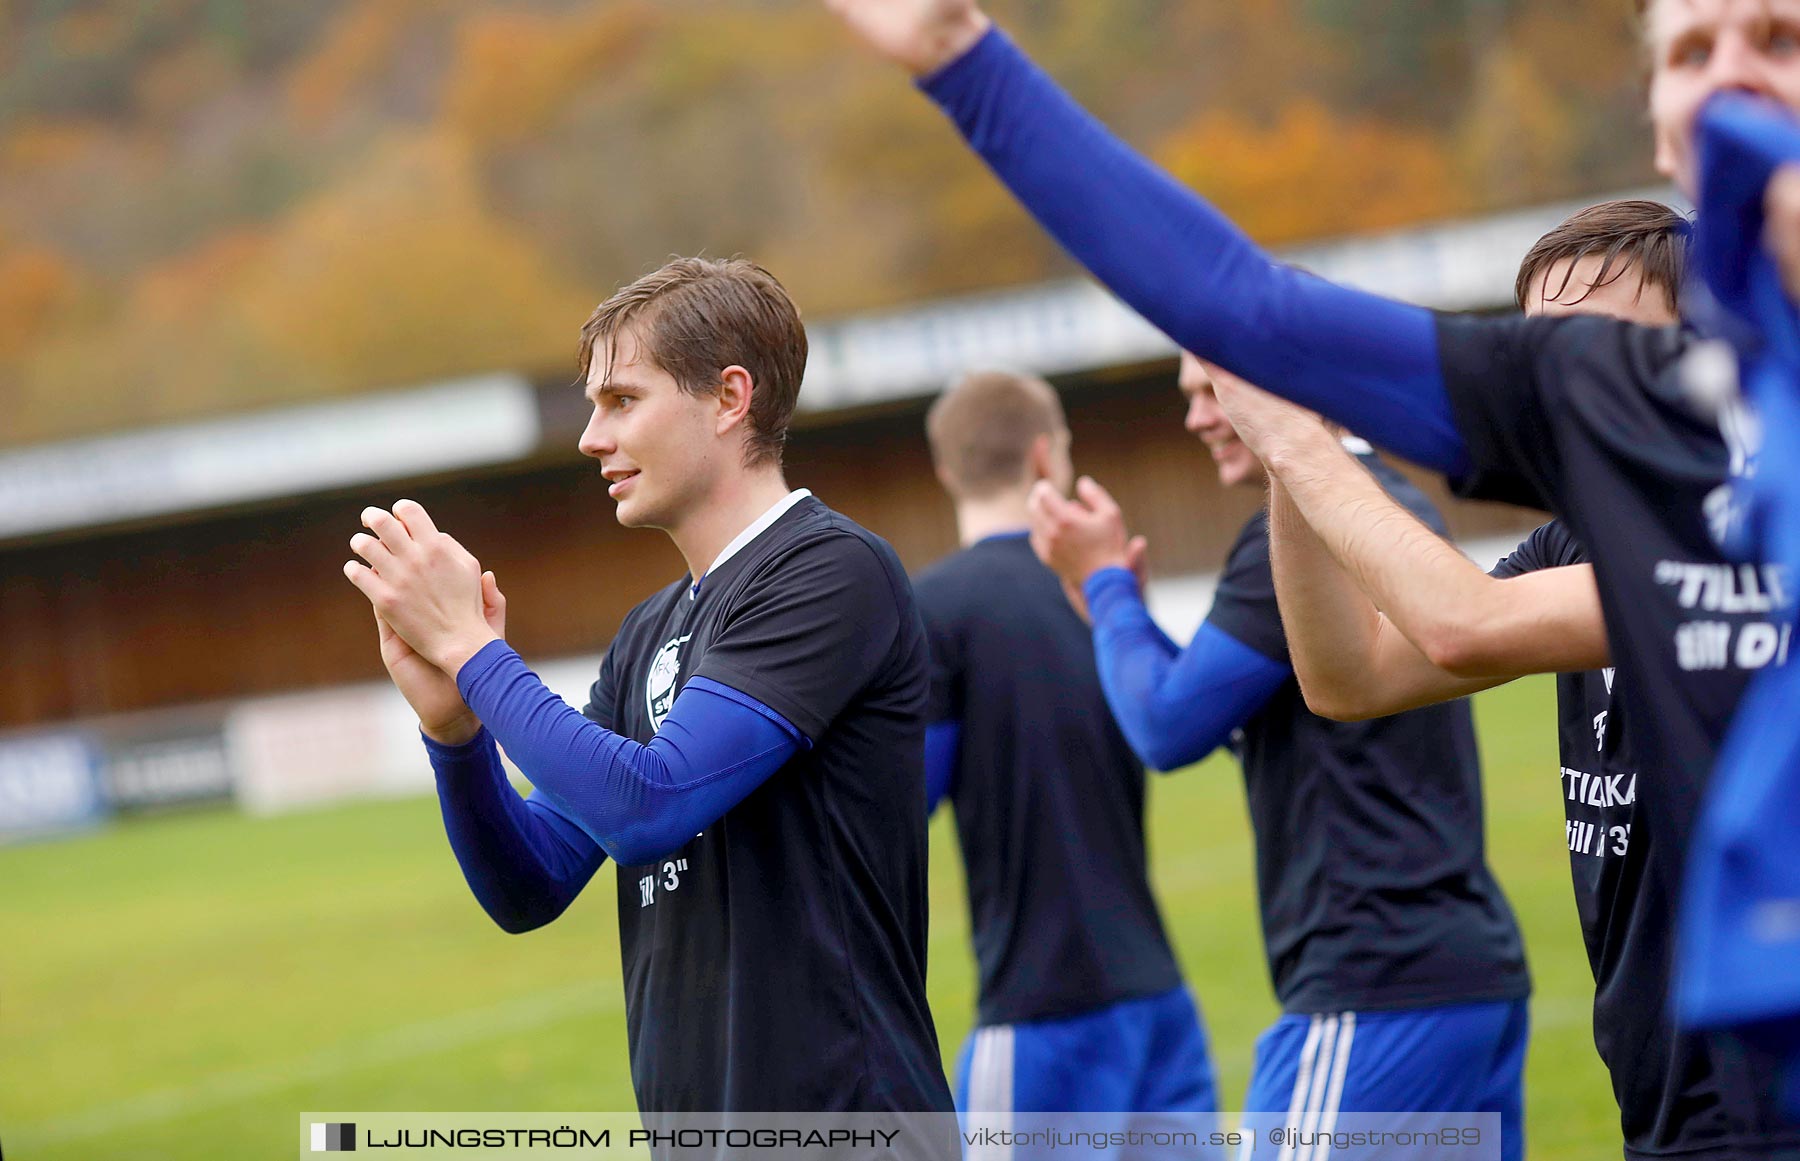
[[1724, 588], [1709, 372], [669, 879], [1727, 590], [1604, 792]]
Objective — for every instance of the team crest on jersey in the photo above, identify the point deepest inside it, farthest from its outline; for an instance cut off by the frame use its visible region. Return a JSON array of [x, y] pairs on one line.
[[1727, 507], [1709, 373], [659, 687]]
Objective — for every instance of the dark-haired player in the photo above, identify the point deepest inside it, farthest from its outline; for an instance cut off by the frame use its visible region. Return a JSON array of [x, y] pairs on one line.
[[750, 754], [1382, 614], [1589, 418], [1082, 1007]]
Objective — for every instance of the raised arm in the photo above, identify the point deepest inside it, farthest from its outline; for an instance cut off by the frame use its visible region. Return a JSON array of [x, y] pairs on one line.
[[1370, 363], [1458, 618], [1352, 663]]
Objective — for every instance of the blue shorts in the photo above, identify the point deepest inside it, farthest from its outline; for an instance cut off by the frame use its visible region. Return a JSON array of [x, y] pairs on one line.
[[1119, 1066], [1143, 1055], [1467, 1058]]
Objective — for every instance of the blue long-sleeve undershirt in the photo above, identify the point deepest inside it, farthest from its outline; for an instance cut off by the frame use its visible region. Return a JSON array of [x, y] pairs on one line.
[[1364, 361], [1175, 706], [638, 801], [596, 793], [524, 863], [943, 744]]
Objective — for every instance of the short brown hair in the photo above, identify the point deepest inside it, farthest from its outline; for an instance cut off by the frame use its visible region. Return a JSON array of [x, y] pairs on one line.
[[697, 316], [982, 428], [1633, 232]]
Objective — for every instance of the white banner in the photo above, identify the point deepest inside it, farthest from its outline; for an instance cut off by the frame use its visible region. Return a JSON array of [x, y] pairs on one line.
[[277, 453]]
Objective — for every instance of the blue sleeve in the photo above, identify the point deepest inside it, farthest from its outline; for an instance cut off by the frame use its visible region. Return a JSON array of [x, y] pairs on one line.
[[1743, 141], [523, 863], [638, 802], [1175, 706], [1364, 361], [943, 743]]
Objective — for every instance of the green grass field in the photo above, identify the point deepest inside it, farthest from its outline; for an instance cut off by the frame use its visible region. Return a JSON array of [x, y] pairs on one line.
[[183, 987]]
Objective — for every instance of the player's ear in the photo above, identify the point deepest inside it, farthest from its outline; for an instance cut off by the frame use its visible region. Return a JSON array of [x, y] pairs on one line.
[[733, 397], [1042, 459]]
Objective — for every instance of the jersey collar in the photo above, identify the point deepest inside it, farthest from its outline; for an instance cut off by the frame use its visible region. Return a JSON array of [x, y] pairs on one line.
[[756, 528]]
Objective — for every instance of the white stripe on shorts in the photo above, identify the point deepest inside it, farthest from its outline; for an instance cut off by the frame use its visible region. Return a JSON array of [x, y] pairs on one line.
[[991, 1090], [1321, 1077], [1327, 1088], [1335, 1094], [1303, 1072]]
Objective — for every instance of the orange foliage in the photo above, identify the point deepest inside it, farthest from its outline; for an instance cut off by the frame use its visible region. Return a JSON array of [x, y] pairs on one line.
[[174, 344], [1312, 172], [45, 144], [1585, 47], [187, 251], [402, 274], [515, 71], [184, 77], [92, 29], [1518, 138], [358, 44], [34, 285], [192, 286]]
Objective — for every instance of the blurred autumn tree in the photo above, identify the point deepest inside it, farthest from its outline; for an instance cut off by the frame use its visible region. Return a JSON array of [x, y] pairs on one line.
[[217, 204]]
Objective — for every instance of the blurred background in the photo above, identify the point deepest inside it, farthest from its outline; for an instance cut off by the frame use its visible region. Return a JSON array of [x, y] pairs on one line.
[[262, 264]]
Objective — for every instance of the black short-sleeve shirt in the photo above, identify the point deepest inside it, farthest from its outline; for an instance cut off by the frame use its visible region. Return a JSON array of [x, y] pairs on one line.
[[1589, 418], [1370, 864], [1626, 917], [1049, 797], [1599, 788], [777, 961]]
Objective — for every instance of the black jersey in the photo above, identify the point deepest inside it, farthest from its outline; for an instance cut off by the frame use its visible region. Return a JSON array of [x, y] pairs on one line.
[[1370, 866], [1658, 1076], [1049, 796], [1599, 790], [1587, 417], [776, 963]]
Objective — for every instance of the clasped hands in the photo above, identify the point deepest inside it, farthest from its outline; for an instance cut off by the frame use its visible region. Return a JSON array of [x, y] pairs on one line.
[[434, 607]]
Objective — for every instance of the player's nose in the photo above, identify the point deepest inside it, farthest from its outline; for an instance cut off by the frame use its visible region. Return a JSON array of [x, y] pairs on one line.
[[597, 439], [1196, 416], [1739, 65], [1203, 414]]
